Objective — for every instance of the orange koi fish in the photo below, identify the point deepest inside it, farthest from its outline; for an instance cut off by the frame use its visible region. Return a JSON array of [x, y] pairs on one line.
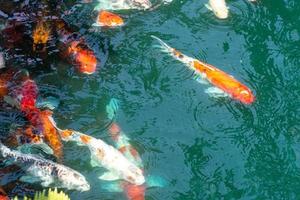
[[74, 47], [40, 36], [225, 85], [108, 19]]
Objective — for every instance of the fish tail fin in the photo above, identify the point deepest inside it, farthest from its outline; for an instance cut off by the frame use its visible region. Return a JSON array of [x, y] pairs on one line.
[[112, 108], [163, 46], [156, 181], [173, 52]]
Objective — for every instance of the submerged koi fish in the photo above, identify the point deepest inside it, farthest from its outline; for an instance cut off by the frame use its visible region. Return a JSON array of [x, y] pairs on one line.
[[108, 19], [225, 83], [132, 191], [46, 171], [74, 47], [40, 36], [24, 97], [218, 7], [123, 5], [108, 157]]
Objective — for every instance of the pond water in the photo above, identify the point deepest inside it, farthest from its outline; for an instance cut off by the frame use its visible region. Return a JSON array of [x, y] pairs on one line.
[[203, 147]]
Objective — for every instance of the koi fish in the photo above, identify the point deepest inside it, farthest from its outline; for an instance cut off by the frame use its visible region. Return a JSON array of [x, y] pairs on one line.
[[106, 156], [225, 85], [46, 171], [123, 5], [24, 96], [74, 47], [218, 7], [108, 19], [132, 191], [40, 36]]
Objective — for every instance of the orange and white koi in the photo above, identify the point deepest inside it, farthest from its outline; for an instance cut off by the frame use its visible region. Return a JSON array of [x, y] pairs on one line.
[[108, 19], [102, 154], [225, 85]]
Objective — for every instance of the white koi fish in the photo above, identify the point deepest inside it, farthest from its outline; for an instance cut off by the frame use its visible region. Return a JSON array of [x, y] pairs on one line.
[[46, 171], [102, 154], [218, 7], [123, 5]]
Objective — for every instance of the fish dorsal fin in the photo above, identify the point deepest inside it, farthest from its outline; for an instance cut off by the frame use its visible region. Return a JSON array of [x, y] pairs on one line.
[[109, 176]]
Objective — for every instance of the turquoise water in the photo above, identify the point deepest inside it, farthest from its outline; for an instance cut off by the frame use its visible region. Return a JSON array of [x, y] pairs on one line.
[[204, 147]]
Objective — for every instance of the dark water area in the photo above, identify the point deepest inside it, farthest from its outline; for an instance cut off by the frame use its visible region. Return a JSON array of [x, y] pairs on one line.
[[204, 147]]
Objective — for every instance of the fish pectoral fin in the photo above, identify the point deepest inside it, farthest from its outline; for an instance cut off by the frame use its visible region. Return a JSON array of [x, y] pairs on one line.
[[49, 102], [11, 101], [208, 6], [113, 187], [30, 179], [94, 162], [47, 182], [215, 92], [109, 176], [29, 148], [200, 79], [156, 181]]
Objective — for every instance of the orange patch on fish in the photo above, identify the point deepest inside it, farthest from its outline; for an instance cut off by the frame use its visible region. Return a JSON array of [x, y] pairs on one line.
[[225, 82], [85, 139], [66, 133], [51, 134], [85, 58], [40, 36], [109, 19], [123, 149]]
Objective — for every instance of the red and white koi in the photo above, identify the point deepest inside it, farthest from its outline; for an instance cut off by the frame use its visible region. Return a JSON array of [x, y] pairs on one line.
[[102, 154], [132, 191], [225, 85]]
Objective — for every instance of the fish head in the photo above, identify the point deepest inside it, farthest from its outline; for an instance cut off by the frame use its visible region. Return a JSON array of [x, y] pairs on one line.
[[221, 13], [84, 57], [135, 175], [74, 180], [219, 8], [244, 95], [142, 4]]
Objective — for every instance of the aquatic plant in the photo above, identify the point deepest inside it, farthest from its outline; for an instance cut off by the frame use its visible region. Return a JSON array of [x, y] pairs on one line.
[[50, 195]]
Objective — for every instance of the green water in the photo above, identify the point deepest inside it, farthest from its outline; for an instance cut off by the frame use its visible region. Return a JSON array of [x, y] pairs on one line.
[[205, 148]]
